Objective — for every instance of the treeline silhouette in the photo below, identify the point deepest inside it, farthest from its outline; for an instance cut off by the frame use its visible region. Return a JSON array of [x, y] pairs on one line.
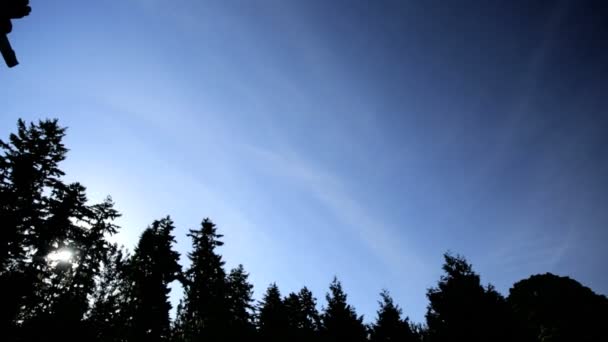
[[62, 280]]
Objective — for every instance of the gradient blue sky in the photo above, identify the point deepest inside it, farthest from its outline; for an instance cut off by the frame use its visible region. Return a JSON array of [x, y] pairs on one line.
[[353, 138]]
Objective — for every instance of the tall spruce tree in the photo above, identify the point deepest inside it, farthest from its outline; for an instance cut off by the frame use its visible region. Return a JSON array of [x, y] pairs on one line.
[[205, 313], [153, 267], [460, 308], [48, 304], [310, 321], [339, 319], [108, 317], [389, 325], [292, 312], [29, 172], [87, 243], [43, 218], [303, 317], [69, 251], [273, 322], [240, 304]]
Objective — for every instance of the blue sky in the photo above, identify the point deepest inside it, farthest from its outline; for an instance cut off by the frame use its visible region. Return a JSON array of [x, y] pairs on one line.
[[353, 138]]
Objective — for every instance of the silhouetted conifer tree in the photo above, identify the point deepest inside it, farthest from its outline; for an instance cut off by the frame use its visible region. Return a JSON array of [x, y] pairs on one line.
[[240, 304], [292, 311], [45, 217], [303, 317], [28, 167], [339, 319], [310, 321], [29, 172], [389, 325], [108, 318], [420, 332], [461, 309], [205, 313], [153, 267], [272, 316], [56, 308], [178, 325]]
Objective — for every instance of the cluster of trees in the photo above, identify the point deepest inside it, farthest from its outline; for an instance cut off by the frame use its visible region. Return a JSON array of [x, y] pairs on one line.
[[62, 280]]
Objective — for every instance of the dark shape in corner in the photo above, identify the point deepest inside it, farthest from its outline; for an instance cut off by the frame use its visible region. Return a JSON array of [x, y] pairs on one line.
[[10, 9]]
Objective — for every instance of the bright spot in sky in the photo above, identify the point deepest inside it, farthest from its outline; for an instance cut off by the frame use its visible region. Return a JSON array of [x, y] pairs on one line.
[[61, 255]]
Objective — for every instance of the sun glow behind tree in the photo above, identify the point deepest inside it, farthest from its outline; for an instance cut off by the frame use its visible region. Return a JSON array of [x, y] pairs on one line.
[[63, 255]]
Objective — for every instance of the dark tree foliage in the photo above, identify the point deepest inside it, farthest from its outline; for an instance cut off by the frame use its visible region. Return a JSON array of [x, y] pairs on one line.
[[302, 315], [178, 326], [57, 306], [460, 308], [153, 267], [419, 331], [240, 304], [272, 316], [29, 172], [556, 309], [309, 321], [62, 280], [389, 325], [42, 216], [292, 313], [108, 317], [339, 319], [205, 314]]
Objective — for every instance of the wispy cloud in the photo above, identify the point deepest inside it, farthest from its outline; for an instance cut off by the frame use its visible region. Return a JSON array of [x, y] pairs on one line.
[[380, 237], [530, 250]]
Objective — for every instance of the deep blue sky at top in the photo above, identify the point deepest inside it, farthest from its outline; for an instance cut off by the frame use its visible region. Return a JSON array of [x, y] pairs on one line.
[[353, 138]]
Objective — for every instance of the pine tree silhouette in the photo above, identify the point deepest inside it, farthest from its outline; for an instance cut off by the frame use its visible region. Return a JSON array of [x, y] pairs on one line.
[[41, 217], [108, 318], [272, 318], [303, 317], [205, 313], [339, 319], [389, 325], [461, 308], [28, 173], [153, 267], [240, 304]]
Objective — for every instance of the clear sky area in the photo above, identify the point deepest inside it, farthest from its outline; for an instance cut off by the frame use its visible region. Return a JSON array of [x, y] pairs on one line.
[[361, 139]]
